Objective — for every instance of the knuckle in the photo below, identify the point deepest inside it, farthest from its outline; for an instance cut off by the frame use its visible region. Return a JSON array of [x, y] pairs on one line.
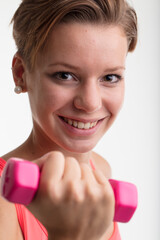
[[71, 187], [72, 167], [84, 165], [71, 161], [55, 154], [50, 190], [46, 186], [108, 194], [94, 193], [100, 177], [74, 191], [85, 169]]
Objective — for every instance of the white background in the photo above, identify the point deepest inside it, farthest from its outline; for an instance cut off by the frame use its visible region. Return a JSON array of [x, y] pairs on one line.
[[132, 144]]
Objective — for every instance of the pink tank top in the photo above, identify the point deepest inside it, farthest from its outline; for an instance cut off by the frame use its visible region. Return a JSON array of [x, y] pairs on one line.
[[31, 228]]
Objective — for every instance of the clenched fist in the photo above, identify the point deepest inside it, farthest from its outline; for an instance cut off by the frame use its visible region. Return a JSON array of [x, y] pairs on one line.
[[73, 201]]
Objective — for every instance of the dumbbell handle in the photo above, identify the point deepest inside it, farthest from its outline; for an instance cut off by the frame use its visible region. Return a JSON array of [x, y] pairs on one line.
[[20, 181]]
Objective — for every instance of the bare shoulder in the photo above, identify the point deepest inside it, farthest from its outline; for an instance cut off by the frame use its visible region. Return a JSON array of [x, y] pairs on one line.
[[9, 226], [23, 151], [101, 164], [13, 153], [6, 156]]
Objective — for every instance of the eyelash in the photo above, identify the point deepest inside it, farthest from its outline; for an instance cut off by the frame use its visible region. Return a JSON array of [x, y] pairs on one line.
[[118, 78], [58, 76]]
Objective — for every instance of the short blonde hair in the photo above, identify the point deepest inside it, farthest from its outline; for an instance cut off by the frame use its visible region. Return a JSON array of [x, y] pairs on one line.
[[34, 20]]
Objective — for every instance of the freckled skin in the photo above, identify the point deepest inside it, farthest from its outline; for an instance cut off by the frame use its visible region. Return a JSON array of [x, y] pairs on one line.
[[87, 53], [91, 51]]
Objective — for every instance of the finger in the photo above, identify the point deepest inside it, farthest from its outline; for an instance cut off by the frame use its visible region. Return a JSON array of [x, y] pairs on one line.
[[103, 181], [72, 170], [73, 191], [100, 178], [106, 187], [51, 165], [87, 174]]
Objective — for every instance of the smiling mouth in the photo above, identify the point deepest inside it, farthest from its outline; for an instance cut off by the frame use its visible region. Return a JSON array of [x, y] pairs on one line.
[[79, 125]]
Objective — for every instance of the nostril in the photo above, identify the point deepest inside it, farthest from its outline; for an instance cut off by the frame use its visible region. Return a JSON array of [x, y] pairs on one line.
[[88, 104]]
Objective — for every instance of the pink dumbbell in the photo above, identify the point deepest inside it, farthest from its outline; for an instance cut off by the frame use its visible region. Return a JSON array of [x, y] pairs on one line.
[[20, 180]]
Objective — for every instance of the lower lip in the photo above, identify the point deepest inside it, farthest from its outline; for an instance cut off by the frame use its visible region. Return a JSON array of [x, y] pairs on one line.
[[80, 132]]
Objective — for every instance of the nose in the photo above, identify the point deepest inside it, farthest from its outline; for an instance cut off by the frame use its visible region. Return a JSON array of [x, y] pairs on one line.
[[88, 97]]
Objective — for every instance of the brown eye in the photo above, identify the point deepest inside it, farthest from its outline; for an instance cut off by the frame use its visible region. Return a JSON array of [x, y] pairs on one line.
[[112, 78], [63, 76]]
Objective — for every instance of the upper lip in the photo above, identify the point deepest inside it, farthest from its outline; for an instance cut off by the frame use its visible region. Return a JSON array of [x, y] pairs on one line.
[[83, 120]]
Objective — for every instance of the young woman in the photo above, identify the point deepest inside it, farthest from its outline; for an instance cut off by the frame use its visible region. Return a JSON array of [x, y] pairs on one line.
[[71, 61]]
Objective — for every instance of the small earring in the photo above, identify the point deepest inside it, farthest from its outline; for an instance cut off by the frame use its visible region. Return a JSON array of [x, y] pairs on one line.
[[18, 89]]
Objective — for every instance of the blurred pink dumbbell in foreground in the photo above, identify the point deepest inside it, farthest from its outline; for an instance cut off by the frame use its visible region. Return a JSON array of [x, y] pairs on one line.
[[20, 180]]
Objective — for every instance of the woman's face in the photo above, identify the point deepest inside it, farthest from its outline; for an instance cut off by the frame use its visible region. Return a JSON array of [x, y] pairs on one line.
[[77, 87]]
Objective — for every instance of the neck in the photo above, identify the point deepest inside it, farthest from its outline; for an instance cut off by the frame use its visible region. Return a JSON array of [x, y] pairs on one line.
[[37, 146]]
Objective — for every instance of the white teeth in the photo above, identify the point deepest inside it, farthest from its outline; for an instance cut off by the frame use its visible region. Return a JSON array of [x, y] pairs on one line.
[[80, 125], [75, 124], [87, 125], [70, 122], [92, 125]]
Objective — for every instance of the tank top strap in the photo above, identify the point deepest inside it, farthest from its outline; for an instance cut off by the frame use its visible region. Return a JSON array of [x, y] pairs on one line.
[[2, 164], [92, 165]]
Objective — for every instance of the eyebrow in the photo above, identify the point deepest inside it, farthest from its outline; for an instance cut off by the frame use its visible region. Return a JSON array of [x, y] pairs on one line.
[[112, 70], [67, 65]]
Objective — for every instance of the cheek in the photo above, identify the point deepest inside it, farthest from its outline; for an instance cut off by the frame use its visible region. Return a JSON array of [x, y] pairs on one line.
[[47, 103], [114, 100], [51, 98], [41, 101]]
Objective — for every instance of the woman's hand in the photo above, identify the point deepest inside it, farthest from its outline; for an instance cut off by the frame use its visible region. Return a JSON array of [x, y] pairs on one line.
[[72, 202]]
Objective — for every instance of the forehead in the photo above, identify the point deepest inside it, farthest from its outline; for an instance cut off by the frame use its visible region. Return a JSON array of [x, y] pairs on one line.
[[77, 42]]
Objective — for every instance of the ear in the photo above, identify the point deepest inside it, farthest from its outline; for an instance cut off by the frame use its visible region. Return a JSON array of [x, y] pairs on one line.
[[19, 72]]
